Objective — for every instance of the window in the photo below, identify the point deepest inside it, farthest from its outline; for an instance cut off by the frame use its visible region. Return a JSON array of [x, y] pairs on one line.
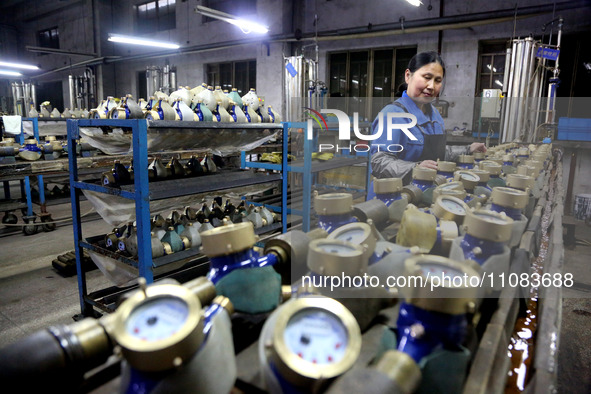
[[350, 76], [242, 8], [241, 75], [156, 15], [491, 69], [49, 38]]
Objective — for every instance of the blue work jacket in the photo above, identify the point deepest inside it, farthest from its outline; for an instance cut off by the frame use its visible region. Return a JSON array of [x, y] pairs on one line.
[[428, 124]]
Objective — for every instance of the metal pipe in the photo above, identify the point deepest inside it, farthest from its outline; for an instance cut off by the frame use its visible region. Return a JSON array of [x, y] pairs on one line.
[[72, 89], [504, 103]]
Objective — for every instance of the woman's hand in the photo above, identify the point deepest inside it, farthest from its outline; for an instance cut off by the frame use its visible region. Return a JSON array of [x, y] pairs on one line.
[[477, 147], [428, 164]]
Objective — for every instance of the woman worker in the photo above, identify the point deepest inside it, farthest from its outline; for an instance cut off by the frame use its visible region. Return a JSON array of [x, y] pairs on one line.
[[424, 79]]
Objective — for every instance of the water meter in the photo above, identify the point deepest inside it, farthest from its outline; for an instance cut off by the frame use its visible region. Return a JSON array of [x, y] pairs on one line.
[[434, 313], [334, 210], [466, 162], [511, 202], [446, 168], [423, 179]]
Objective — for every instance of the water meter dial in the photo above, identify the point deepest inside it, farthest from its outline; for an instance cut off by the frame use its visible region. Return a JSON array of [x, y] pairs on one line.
[[489, 225], [336, 257], [314, 338], [448, 207], [448, 286], [159, 327]]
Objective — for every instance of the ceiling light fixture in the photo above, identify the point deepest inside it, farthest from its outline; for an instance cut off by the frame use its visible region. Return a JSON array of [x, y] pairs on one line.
[[416, 3], [141, 41], [244, 25], [11, 73], [19, 65]]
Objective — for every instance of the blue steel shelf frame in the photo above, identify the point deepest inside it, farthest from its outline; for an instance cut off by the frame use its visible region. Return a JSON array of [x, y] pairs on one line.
[[25, 182], [140, 194], [307, 171]]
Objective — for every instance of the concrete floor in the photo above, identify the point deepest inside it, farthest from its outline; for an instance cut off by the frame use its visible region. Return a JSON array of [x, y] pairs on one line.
[[34, 296]]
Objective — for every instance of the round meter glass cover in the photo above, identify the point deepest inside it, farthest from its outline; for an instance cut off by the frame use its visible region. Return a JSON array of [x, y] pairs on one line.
[[353, 235], [441, 271], [157, 319], [453, 206], [470, 177], [316, 336], [491, 218], [335, 248]]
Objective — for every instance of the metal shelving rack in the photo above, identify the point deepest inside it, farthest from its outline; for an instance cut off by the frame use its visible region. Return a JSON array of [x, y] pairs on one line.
[[25, 182], [308, 169], [142, 193]]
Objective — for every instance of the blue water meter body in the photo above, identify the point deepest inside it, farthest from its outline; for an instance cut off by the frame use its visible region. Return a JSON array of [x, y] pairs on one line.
[[389, 198], [222, 265], [487, 248], [423, 185], [440, 330], [513, 213], [329, 223]]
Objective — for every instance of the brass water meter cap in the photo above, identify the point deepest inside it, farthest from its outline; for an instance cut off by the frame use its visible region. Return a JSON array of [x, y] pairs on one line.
[[496, 159], [489, 225], [358, 234], [482, 174], [479, 155], [521, 182], [508, 158], [423, 174], [448, 207], [491, 167], [466, 159], [525, 169], [387, 185], [446, 166], [448, 286], [229, 239], [50, 138], [334, 257], [509, 197], [455, 189], [333, 203], [468, 179], [523, 152], [31, 141], [537, 164]]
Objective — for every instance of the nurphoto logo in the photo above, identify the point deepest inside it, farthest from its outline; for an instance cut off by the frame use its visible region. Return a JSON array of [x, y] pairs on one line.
[[345, 130]]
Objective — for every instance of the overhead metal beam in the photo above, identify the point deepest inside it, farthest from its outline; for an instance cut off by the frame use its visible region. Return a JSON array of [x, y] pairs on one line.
[[56, 51]]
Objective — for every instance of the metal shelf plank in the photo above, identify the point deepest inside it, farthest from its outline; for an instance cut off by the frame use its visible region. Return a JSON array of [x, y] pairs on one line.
[[187, 186]]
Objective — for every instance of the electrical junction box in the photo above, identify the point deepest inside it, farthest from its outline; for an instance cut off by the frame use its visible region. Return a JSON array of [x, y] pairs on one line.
[[491, 103]]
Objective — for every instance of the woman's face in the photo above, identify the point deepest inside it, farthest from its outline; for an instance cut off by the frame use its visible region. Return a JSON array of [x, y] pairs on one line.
[[425, 83]]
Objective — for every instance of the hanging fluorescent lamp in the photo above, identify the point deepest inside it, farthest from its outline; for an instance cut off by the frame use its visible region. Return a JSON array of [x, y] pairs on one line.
[[416, 3], [11, 73], [141, 41], [19, 65], [244, 25]]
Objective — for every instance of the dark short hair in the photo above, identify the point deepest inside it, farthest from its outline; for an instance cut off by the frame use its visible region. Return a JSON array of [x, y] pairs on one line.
[[423, 58]]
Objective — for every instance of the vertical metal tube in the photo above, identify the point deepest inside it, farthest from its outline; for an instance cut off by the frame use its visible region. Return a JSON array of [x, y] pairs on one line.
[[505, 102], [72, 90], [173, 86], [34, 95], [523, 89]]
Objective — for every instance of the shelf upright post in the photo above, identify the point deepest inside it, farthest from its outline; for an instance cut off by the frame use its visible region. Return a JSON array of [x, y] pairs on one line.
[[40, 184], [72, 127], [284, 177], [307, 183], [142, 198], [26, 186]]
